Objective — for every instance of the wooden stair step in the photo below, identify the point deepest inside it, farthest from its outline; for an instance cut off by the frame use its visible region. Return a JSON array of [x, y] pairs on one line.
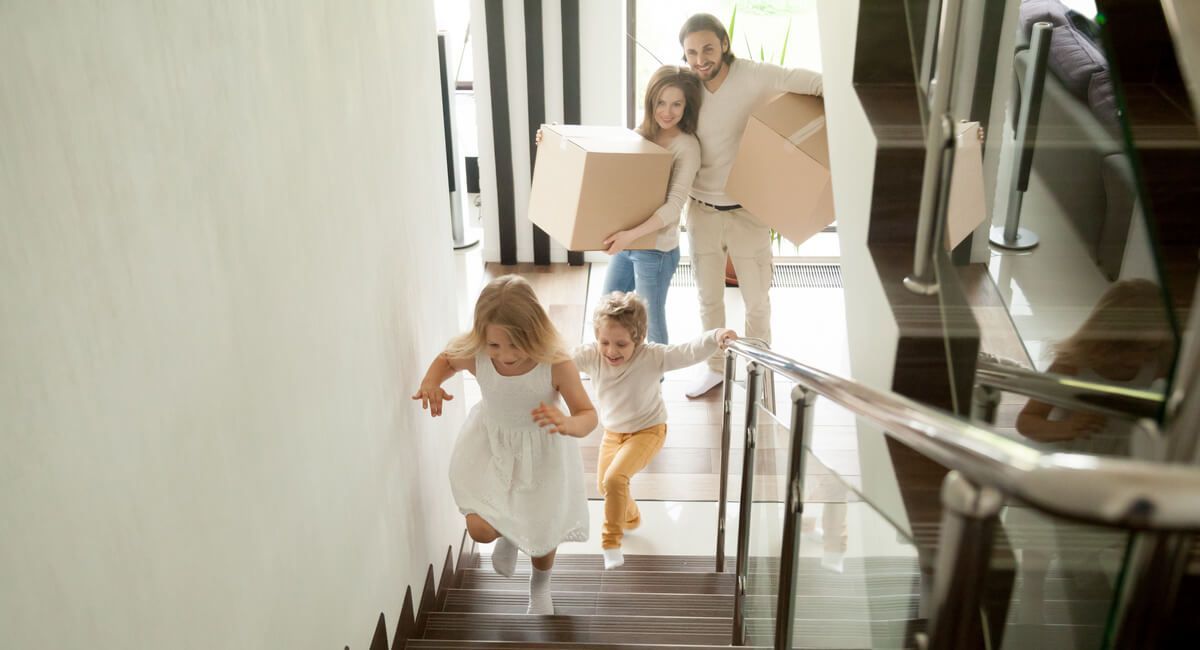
[[520, 628], [705, 605], [608, 581], [840, 634], [456, 644], [825, 583], [706, 564], [589, 629], [593, 603]]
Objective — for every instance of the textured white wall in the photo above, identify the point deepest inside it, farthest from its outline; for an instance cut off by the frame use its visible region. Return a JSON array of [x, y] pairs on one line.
[[870, 327], [220, 263]]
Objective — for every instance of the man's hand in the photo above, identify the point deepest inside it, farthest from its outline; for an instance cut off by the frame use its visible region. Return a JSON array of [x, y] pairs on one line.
[[431, 397], [549, 417]]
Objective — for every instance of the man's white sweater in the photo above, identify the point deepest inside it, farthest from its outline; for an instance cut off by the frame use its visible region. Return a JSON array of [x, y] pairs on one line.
[[629, 396], [723, 117]]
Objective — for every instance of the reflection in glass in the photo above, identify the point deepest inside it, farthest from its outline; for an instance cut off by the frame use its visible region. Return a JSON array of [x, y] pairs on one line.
[[1088, 301], [1125, 340]]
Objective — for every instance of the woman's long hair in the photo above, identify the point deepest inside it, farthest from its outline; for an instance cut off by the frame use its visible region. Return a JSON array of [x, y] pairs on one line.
[[686, 81], [509, 302]]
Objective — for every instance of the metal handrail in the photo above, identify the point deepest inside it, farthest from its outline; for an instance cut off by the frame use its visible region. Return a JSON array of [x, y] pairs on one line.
[[1106, 491], [1071, 393], [984, 467]]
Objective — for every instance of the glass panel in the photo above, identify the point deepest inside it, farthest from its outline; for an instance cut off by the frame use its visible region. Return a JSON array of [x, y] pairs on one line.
[[858, 583], [1054, 582], [1109, 195], [922, 19]]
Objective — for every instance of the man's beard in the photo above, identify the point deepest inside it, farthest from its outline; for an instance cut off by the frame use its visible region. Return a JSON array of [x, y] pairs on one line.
[[716, 69]]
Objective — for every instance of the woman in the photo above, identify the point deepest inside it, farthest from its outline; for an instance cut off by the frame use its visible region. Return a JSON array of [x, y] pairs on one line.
[[672, 110]]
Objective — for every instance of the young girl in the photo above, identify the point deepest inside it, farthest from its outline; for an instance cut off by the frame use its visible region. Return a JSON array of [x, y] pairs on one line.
[[626, 372], [672, 109], [1126, 339], [515, 471]]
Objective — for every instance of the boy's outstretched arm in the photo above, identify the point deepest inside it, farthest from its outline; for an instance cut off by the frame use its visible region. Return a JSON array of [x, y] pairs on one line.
[[582, 420], [693, 352], [431, 392]]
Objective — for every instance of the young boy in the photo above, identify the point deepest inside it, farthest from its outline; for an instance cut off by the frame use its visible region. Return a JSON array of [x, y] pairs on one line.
[[627, 373]]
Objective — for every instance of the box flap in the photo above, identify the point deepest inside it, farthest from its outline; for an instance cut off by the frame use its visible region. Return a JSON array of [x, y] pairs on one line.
[[605, 139], [799, 119]]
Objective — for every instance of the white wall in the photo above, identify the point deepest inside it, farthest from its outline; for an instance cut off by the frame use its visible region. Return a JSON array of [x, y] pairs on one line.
[[219, 260], [871, 329]]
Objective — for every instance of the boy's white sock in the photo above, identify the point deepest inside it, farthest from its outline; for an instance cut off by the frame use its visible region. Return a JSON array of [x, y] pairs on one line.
[[504, 557], [613, 558], [540, 601], [708, 380]]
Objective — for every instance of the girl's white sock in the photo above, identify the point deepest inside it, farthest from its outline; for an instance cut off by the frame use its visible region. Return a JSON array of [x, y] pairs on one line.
[[504, 557], [613, 558], [539, 592]]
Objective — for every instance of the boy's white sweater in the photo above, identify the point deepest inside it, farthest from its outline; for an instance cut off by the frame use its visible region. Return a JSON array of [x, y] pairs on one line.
[[629, 396]]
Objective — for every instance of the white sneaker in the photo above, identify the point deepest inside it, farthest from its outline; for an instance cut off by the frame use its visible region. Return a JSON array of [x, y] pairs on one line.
[[504, 557], [613, 558], [707, 381], [834, 561]]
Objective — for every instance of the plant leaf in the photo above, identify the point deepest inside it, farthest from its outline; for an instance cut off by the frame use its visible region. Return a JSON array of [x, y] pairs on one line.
[[732, 19], [786, 35]]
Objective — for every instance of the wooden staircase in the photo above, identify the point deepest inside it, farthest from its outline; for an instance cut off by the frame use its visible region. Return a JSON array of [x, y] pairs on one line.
[[667, 601]]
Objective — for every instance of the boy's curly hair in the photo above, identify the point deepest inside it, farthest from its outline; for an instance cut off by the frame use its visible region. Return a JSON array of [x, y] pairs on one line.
[[625, 309]]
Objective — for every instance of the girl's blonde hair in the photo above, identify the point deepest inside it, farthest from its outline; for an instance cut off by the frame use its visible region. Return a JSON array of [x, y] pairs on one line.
[[509, 303], [1132, 313], [625, 309], [688, 83]]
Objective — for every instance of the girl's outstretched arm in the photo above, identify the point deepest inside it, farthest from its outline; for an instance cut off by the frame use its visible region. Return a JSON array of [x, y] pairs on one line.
[[431, 392], [582, 420]]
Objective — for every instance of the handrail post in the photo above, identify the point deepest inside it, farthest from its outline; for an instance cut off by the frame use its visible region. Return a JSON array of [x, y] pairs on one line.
[[753, 379], [963, 558], [768, 390], [939, 153], [802, 418], [726, 421], [1012, 236], [985, 400]]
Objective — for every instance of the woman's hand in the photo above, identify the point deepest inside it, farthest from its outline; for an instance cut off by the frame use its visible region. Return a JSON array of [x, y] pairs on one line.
[[618, 241], [725, 337], [549, 417], [432, 396], [537, 137]]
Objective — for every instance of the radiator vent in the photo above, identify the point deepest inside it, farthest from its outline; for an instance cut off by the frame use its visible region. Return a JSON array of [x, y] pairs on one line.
[[786, 276]]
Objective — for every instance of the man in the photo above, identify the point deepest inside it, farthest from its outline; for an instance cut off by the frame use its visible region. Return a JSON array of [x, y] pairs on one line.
[[717, 225]]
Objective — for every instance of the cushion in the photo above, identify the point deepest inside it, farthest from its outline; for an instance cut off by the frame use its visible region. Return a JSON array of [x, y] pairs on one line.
[[1075, 56]]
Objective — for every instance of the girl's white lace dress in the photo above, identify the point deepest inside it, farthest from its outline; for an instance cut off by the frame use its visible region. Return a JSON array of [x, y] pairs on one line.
[[525, 482]]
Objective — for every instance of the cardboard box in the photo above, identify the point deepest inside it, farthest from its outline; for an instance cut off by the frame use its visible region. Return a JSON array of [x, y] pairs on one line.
[[781, 172], [966, 208], [592, 181]]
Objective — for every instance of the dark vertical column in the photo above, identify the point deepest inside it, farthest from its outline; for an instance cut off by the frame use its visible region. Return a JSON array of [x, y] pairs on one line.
[[630, 62], [501, 134], [536, 83], [447, 126], [572, 110]]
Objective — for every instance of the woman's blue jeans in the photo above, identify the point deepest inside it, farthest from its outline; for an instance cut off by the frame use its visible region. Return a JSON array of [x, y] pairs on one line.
[[649, 274]]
